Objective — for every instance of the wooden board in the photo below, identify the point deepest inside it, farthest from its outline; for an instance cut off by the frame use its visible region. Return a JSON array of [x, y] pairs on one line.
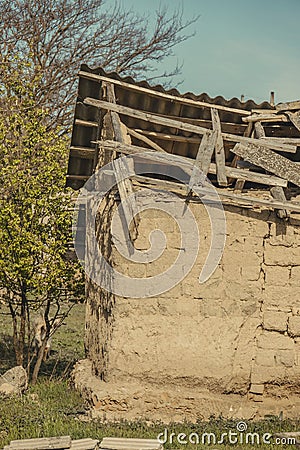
[[278, 193], [268, 160], [143, 138], [130, 444], [288, 106], [61, 442], [226, 196], [219, 148], [186, 164], [149, 117], [121, 172], [295, 118], [203, 159]]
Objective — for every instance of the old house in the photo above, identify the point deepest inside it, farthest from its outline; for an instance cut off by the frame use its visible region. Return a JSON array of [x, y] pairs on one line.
[[169, 346]]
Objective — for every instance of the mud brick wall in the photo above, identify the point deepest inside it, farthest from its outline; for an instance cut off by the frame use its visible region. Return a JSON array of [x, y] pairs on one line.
[[237, 332]]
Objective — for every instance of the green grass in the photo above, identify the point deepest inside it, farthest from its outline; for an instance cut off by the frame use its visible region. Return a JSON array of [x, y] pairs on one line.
[[53, 407]]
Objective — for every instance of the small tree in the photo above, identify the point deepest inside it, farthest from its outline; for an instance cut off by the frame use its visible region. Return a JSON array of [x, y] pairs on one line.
[[35, 216]]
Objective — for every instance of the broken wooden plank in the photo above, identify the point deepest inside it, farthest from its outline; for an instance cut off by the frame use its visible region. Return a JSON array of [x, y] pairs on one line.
[[147, 141], [219, 148], [278, 193], [203, 160], [265, 118], [268, 160], [226, 196], [153, 93], [294, 118], [186, 164], [206, 148], [293, 142], [288, 106], [60, 442], [149, 117], [259, 130]]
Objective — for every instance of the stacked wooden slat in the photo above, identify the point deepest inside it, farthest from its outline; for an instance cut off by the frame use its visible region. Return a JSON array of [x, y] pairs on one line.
[[110, 443], [54, 443]]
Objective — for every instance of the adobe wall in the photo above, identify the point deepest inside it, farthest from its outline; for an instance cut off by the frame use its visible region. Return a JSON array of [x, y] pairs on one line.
[[237, 333]]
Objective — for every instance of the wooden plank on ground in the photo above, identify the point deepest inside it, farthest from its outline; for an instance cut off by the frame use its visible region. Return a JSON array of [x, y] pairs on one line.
[[152, 92], [294, 118], [60, 442], [186, 164], [219, 148], [84, 444], [268, 160], [130, 444], [149, 117]]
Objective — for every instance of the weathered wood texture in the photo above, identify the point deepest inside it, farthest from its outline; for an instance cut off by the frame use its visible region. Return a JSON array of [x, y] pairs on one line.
[[121, 172], [179, 125], [219, 148], [227, 197], [144, 139], [61, 442], [288, 106], [130, 444], [278, 193], [265, 158], [167, 158], [295, 118]]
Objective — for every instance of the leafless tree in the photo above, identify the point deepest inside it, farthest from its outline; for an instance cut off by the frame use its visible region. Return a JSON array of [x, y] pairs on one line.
[[56, 36]]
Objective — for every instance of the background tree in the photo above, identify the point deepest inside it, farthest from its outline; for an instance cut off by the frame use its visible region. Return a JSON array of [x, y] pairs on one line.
[[35, 219], [59, 35]]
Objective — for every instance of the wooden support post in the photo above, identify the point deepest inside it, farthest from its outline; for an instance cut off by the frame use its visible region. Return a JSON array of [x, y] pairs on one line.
[[122, 172], [203, 158], [219, 148]]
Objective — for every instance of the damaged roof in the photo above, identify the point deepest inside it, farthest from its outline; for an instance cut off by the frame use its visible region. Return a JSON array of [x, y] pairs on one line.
[[87, 118]]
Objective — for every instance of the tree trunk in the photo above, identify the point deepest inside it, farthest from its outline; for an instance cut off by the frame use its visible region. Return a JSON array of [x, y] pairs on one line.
[[38, 362]]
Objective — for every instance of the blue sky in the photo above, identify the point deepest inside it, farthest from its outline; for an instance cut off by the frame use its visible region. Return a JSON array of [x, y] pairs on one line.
[[240, 47]]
